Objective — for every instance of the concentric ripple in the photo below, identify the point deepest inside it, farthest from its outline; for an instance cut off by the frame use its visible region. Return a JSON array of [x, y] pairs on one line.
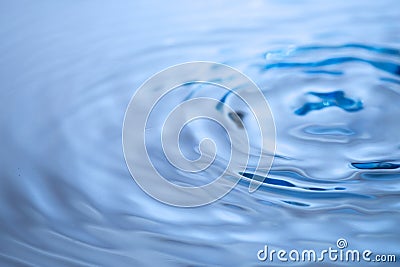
[[330, 73]]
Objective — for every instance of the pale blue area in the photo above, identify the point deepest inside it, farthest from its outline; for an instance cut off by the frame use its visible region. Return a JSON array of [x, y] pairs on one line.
[[69, 68]]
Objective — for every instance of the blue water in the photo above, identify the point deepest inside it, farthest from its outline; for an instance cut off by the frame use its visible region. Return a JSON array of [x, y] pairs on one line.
[[329, 69]]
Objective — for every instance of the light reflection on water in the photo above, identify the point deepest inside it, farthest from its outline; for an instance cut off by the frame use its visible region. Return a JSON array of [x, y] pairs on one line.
[[330, 73]]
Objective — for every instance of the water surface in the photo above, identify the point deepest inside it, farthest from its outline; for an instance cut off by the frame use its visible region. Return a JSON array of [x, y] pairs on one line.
[[330, 72]]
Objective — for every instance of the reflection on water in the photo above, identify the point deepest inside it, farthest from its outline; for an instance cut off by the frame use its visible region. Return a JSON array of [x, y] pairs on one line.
[[68, 70]]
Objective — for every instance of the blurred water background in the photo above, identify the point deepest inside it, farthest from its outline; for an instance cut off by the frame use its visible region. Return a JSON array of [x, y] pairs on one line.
[[329, 69]]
